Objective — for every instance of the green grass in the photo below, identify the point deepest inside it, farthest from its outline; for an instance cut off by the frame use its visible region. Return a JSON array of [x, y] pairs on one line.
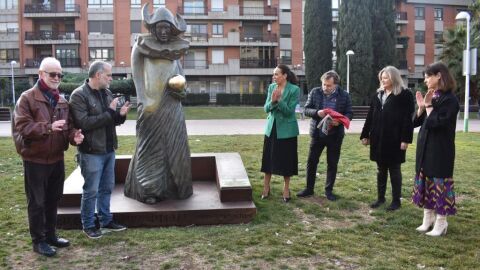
[[304, 234], [213, 112]]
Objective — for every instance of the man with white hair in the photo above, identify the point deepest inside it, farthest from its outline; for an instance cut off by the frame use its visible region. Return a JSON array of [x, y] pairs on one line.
[[42, 132]]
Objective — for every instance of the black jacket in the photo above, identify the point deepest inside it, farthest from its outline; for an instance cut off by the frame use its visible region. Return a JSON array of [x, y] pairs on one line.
[[315, 103], [388, 126], [95, 119], [436, 139]]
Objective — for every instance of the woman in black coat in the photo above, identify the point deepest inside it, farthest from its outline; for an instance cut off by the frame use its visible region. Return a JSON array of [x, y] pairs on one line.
[[389, 129], [437, 116]]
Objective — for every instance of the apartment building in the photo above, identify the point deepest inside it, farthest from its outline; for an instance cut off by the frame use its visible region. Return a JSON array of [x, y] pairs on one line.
[[234, 44]]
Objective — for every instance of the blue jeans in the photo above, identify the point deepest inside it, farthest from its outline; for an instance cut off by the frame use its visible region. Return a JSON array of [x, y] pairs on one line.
[[98, 170]]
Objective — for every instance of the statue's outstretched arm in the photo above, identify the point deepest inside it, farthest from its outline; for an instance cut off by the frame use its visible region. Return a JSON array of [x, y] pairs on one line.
[[138, 76]]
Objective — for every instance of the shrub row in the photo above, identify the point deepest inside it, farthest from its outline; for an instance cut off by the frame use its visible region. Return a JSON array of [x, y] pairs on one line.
[[224, 99]]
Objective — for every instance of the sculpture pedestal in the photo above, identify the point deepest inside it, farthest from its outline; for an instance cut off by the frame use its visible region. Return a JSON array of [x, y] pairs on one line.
[[222, 194]]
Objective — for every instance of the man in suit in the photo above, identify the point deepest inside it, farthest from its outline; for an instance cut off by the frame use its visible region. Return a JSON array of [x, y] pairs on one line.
[[331, 96]]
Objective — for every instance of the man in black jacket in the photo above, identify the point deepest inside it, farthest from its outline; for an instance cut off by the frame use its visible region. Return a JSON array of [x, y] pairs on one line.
[[331, 96], [94, 110]]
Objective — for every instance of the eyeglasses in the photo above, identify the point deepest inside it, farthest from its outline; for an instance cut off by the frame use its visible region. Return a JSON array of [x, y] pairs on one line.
[[54, 74]]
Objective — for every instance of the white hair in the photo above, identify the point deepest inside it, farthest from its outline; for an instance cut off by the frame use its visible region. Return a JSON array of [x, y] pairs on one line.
[[49, 61], [394, 75]]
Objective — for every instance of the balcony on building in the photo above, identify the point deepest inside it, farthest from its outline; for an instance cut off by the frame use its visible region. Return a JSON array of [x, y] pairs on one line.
[[258, 11], [195, 64], [52, 37], [258, 63], [42, 10], [401, 18], [65, 62], [192, 11], [285, 60], [256, 38], [402, 42], [196, 37]]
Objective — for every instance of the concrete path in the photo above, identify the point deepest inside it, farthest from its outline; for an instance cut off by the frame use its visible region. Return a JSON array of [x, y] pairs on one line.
[[237, 127]]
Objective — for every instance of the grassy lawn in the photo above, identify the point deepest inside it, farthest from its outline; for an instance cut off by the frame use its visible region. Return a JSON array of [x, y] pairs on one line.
[[304, 234], [212, 112]]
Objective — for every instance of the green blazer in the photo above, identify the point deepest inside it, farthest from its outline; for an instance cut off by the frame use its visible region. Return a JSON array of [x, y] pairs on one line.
[[283, 113]]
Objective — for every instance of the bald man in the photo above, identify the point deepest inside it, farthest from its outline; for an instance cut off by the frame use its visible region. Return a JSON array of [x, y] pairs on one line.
[[42, 131]]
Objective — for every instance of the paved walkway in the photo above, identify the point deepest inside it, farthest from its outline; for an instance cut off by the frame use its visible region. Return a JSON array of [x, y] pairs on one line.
[[237, 127]]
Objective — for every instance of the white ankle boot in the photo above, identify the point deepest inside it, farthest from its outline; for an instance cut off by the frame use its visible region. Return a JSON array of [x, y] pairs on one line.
[[440, 227], [428, 220]]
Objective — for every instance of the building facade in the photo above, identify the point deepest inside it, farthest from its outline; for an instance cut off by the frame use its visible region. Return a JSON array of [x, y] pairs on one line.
[[235, 44]]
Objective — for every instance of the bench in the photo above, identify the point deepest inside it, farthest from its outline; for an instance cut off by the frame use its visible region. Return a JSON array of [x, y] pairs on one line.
[[5, 114]]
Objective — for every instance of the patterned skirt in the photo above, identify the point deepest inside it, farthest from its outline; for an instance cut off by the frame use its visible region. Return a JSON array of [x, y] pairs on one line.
[[434, 193]]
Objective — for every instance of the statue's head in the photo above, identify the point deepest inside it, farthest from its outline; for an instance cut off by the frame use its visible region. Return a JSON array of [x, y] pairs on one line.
[[162, 24]]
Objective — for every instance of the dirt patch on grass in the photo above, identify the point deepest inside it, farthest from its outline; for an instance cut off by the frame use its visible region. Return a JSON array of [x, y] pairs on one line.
[[343, 218]]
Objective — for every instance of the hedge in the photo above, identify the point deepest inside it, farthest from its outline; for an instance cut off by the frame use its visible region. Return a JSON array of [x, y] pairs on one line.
[[196, 99], [228, 99], [253, 99]]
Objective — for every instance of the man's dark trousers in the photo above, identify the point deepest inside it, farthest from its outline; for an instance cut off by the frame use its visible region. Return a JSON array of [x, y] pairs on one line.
[[44, 188], [333, 143]]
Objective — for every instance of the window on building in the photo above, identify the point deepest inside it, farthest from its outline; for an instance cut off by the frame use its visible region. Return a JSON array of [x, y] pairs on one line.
[[419, 13], [419, 36], [419, 60], [438, 37], [8, 28], [218, 56], [194, 6], [286, 57], [285, 30], [217, 30], [104, 54], [158, 3], [9, 55], [69, 5], [136, 3], [100, 27], [438, 14], [217, 5], [197, 32], [100, 3], [8, 4], [135, 27]]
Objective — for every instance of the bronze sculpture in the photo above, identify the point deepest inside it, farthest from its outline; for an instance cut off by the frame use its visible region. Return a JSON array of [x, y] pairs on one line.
[[160, 168]]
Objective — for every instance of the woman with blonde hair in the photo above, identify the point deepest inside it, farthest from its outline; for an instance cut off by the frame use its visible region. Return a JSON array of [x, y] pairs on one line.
[[388, 130]]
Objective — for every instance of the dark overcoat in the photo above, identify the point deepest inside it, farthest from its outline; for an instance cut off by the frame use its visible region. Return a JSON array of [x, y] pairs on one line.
[[436, 138], [388, 126]]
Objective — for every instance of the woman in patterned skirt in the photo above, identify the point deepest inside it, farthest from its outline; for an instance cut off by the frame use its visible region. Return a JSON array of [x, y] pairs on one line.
[[437, 116], [281, 130]]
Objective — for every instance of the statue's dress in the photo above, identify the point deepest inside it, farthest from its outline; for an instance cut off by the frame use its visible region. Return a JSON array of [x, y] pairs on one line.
[[160, 168]]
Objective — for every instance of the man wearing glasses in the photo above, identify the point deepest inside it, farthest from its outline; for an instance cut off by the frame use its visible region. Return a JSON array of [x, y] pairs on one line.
[[94, 110], [42, 132]]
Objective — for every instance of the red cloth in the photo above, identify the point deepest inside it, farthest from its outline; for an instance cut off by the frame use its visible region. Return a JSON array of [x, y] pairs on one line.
[[338, 117]]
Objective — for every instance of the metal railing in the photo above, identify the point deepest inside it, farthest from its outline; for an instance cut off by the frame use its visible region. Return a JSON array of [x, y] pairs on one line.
[[401, 16], [265, 37], [52, 35], [51, 8], [196, 36], [192, 10], [65, 62], [402, 64], [258, 63], [195, 64], [261, 11]]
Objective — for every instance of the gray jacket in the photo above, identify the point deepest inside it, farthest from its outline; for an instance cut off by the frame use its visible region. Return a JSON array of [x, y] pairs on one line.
[[94, 118]]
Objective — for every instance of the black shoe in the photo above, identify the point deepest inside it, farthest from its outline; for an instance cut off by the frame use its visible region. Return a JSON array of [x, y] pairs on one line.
[[113, 227], [377, 203], [394, 206], [93, 233], [305, 193], [58, 242], [330, 196], [44, 249]]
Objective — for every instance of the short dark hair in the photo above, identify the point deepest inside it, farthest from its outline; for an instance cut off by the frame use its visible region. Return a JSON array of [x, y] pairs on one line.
[[291, 77], [447, 82], [96, 66], [331, 74]]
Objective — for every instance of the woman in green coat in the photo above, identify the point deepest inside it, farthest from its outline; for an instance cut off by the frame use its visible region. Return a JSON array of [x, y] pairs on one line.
[[280, 143]]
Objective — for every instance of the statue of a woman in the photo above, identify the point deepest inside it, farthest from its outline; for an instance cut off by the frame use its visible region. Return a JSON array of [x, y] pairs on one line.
[[160, 169]]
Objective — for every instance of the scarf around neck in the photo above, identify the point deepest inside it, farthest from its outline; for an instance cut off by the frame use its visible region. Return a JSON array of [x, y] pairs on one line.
[[52, 95]]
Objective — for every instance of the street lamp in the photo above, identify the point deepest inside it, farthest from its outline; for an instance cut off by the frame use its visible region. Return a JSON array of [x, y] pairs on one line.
[[13, 81], [465, 16], [349, 52]]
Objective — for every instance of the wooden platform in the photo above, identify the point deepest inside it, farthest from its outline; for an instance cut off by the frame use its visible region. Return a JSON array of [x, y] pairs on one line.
[[222, 194]]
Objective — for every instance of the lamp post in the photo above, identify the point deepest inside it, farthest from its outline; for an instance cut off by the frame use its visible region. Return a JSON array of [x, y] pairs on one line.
[[13, 81], [349, 52], [465, 16]]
